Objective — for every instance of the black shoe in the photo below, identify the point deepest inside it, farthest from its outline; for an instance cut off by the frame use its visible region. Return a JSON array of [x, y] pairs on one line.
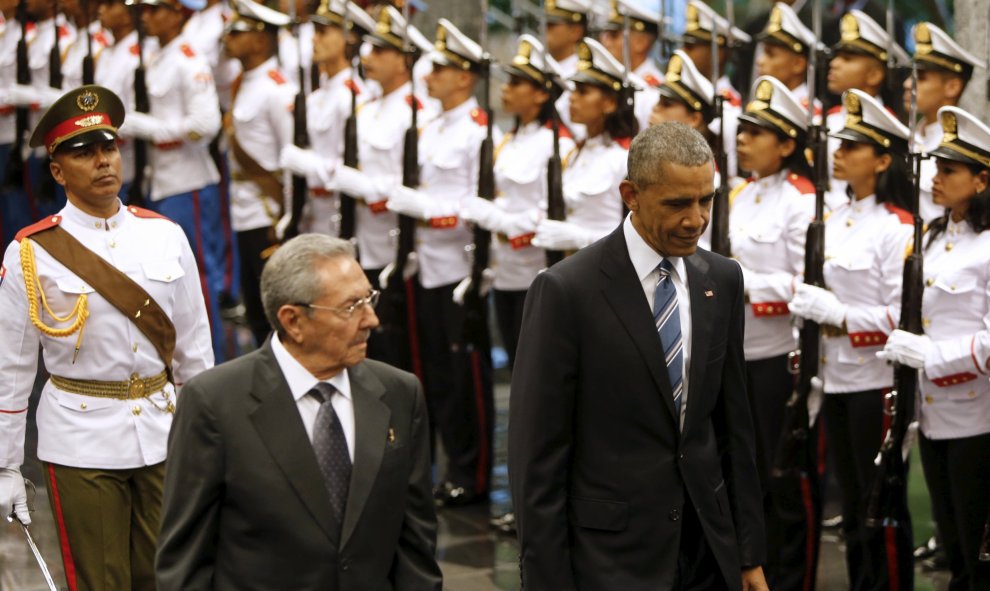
[[937, 561], [927, 549], [448, 494], [504, 524]]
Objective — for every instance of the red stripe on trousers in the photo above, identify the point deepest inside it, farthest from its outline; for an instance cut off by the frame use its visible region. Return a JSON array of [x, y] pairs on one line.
[[481, 472], [809, 539], [63, 536], [414, 352], [890, 542]]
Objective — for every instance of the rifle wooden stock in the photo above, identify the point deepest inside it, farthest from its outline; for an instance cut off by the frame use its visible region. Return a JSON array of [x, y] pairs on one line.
[[476, 307], [135, 193], [720, 207], [300, 138], [347, 203], [407, 224], [14, 177], [555, 188], [88, 65]]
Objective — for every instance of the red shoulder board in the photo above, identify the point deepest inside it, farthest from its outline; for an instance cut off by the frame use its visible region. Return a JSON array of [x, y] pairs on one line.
[[835, 109], [134, 49], [101, 38], [352, 86], [276, 76], [804, 103], [903, 215], [733, 97], [625, 142], [652, 80], [479, 116], [30, 28], [187, 50], [63, 31], [140, 212], [564, 132], [409, 101], [49, 222], [801, 183]]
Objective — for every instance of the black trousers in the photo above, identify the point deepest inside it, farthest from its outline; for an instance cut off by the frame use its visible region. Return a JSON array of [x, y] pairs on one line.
[[457, 378], [792, 504], [958, 478], [697, 568], [250, 245], [508, 314], [877, 558], [394, 341]]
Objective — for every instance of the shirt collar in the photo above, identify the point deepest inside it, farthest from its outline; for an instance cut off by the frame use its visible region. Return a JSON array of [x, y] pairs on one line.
[[399, 94], [73, 214], [460, 110], [338, 79], [261, 69], [298, 377], [644, 259]]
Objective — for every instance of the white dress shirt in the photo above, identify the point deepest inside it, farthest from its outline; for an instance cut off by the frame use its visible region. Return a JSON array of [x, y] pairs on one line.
[[645, 261], [301, 382]]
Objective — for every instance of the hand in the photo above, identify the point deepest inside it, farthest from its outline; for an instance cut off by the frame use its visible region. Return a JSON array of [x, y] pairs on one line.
[[753, 579], [482, 212], [519, 224], [409, 202], [554, 235], [305, 163], [354, 183], [23, 95], [906, 348], [13, 496], [487, 279], [817, 304], [143, 126]]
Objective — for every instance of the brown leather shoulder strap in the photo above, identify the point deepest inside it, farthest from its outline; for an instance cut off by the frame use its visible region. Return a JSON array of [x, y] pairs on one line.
[[269, 183], [117, 288]]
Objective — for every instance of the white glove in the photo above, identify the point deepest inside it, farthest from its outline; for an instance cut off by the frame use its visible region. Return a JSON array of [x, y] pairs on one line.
[[410, 202], [815, 399], [817, 304], [306, 163], [23, 95], [411, 268], [355, 183], [482, 212], [487, 279], [906, 348], [13, 495], [519, 224], [145, 127], [554, 235]]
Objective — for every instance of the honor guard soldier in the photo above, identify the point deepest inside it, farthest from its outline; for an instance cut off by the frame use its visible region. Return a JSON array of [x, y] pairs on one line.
[[204, 32], [296, 43], [702, 20], [944, 70], [521, 183], [768, 224], [786, 48], [567, 25], [598, 164], [459, 395], [328, 108], [111, 294], [184, 118], [645, 75], [865, 242], [12, 195], [257, 127], [954, 351], [859, 60], [90, 42]]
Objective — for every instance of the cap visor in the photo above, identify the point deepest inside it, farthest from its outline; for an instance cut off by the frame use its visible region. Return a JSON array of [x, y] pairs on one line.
[[584, 78], [514, 71], [854, 136], [950, 154], [84, 139]]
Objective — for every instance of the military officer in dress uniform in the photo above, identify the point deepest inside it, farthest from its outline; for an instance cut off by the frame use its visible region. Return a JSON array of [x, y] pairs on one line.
[[944, 69], [785, 49], [258, 126], [865, 241], [458, 382], [111, 294], [645, 75], [597, 166], [768, 223], [341, 91], [702, 20], [954, 351], [859, 61], [184, 117]]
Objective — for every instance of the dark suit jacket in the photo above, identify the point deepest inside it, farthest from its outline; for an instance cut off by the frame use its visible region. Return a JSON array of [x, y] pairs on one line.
[[598, 468], [245, 505]]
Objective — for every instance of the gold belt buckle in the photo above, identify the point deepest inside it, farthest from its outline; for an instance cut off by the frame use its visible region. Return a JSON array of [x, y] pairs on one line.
[[135, 389]]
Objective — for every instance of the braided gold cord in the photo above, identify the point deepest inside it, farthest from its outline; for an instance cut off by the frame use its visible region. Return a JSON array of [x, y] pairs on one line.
[[32, 286]]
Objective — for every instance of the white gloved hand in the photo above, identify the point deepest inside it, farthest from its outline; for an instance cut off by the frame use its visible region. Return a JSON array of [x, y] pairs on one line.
[[554, 235], [815, 399], [514, 225], [482, 212], [306, 163], [410, 202], [23, 95], [355, 183], [411, 268], [487, 279], [145, 127], [906, 348], [13, 495], [817, 304]]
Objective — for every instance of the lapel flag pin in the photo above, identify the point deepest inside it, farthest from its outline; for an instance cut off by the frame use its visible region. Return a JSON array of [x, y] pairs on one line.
[[391, 435], [709, 293]]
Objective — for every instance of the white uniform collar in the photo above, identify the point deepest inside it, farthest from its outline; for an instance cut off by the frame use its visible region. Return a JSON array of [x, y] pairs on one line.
[[864, 204], [299, 379], [73, 214], [262, 69], [460, 110]]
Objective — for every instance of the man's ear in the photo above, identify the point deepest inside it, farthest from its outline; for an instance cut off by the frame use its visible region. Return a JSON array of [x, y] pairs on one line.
[[630, 195], [56, 169], [289, 317]]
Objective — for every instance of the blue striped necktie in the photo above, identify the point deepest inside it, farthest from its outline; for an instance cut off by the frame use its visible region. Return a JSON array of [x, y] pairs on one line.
[[667, 319]]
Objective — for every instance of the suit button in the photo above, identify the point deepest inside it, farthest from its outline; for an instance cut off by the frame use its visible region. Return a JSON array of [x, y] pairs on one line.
[[674, 514], [345, 564], [680, 457]]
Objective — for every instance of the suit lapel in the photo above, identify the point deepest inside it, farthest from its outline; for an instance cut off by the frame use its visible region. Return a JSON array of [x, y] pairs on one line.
[[624, 294], [277, 420], [371, 421], [700, 286]]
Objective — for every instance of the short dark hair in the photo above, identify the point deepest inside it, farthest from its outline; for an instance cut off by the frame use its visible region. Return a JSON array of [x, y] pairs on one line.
[[671, 142]]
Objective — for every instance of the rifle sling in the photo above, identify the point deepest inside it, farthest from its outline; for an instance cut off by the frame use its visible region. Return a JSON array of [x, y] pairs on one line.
[[117, 288], [266, 180]]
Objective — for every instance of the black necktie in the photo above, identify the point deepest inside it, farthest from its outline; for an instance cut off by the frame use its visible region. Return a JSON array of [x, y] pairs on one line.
[[330, 446]]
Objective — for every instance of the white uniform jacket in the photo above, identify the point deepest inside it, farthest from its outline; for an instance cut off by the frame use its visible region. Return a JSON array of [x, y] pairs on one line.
[[115, 70], [591, 184], [86, 431]]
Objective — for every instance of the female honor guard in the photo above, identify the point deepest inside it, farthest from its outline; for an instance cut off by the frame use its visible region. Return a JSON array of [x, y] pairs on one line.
[[768, 224], [865, 241], [112, 295], [521, 183], [954, 351], [597, 166]]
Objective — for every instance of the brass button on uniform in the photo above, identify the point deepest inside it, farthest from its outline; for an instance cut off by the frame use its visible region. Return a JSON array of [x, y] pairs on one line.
[[136, 411], [930, 282], [929, 399], [83, 406]]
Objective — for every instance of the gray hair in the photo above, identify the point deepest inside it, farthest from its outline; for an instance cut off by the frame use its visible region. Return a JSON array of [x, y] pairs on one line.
[[668, 142], [289, 278]]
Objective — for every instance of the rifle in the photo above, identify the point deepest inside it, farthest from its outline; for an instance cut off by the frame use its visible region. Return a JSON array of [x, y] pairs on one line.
[[888, 494], [555, 187], [55, 55], [796, 453], [720, 207], [14, 177], [300, 136], [88, 66], [985, 546], [348, 203], [135, 193]]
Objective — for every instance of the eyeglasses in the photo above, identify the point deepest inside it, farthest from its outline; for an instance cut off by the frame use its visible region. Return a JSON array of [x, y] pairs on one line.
[[348, 311]]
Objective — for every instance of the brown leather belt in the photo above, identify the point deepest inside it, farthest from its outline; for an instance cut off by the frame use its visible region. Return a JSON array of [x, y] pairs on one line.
[[131, 389], [834, 331]]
